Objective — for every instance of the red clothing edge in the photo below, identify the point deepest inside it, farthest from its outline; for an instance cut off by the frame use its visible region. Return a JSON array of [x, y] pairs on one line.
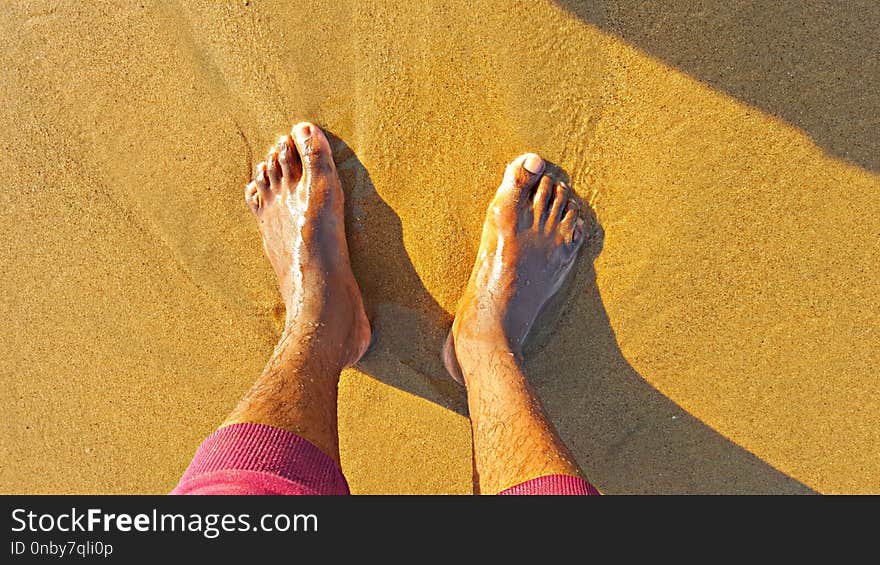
[[257, 459]]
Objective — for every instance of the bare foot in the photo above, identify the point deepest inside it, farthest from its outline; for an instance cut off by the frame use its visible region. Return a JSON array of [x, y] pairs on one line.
[[531, 237], [298, 202]]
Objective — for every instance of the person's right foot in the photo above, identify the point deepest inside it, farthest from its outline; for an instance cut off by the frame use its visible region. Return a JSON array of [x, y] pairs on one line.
[[531, 237]]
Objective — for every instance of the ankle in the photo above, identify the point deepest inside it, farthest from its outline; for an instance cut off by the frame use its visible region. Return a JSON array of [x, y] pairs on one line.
[[335, 336], [306, 345], [478, 356]]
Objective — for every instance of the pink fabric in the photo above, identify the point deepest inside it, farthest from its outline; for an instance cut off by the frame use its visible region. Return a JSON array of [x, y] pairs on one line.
[[553, 484], [257, 459], [260, 459]]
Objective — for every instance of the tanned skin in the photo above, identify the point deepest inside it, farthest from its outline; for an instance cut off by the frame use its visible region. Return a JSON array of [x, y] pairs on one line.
[[298, 203], [530, 240], [531, 237]]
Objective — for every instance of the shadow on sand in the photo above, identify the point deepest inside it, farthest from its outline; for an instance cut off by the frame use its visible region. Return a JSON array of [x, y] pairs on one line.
[[812, 64], [629, 437]]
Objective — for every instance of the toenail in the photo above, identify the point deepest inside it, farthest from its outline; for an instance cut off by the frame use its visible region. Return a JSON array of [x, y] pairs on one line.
[[303, 131], [533, 164]]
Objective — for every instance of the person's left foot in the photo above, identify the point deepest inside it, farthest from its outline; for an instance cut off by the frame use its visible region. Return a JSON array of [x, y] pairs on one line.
[[298, 202]]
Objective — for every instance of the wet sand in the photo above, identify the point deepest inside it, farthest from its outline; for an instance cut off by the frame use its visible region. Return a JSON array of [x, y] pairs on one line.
[[725, 339]]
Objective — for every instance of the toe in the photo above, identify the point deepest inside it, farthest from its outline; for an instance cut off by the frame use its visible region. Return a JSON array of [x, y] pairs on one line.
[[577, 237], [288, 158], [273, 168], [261, 180], [541, 201], [569, 219], [252, 196], [557, 205], [314, 149], [522, 175]]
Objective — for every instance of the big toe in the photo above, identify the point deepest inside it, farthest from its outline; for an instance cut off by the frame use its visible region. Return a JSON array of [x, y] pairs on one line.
[[314, 149], [521, 176], [511, 205]]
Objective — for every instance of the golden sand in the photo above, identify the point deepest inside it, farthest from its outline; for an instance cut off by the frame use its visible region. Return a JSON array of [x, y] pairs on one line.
[[726, 340]]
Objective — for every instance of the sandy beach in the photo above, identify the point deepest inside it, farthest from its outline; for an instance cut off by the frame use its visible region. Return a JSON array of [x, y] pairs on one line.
[[721, 336]]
